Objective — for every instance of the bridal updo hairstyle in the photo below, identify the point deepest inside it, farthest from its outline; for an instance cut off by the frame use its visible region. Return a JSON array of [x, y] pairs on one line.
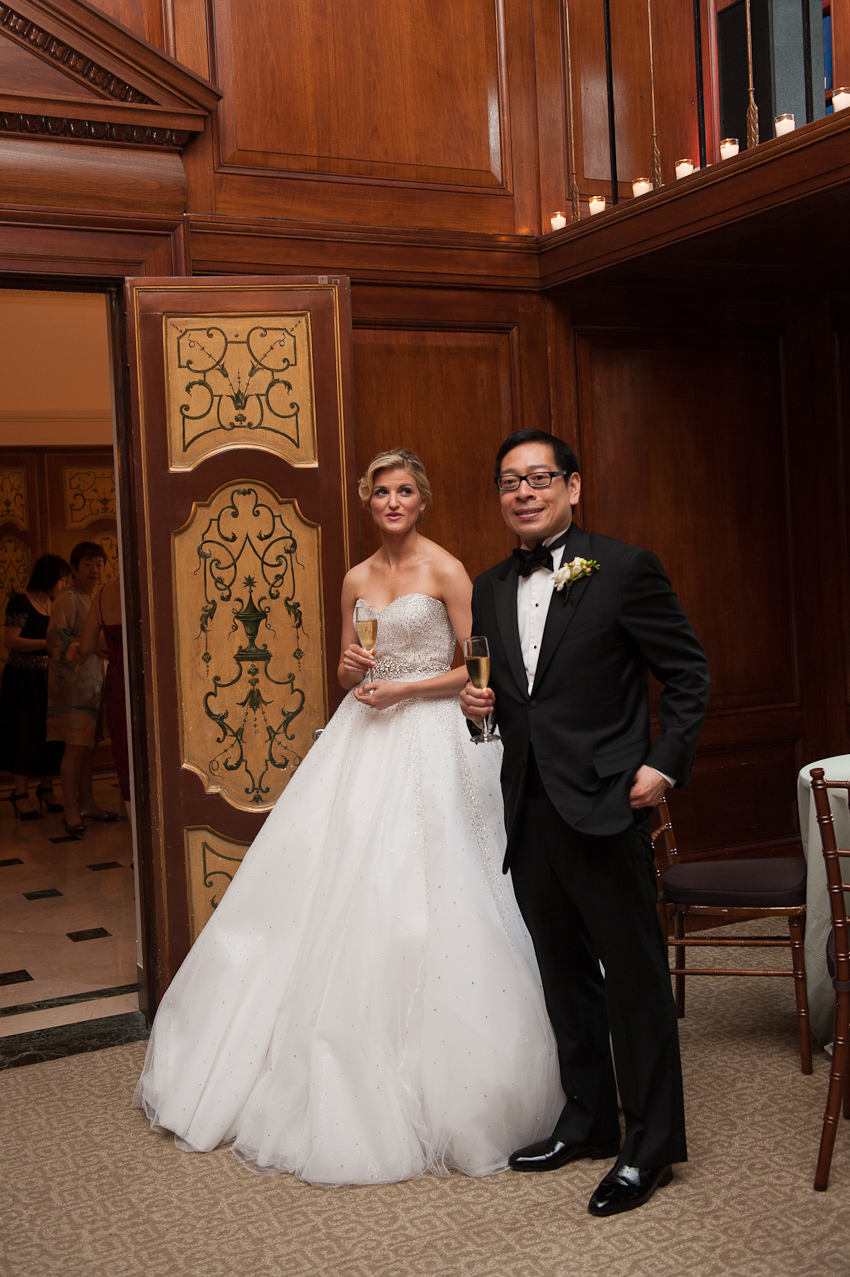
[[396, 459]]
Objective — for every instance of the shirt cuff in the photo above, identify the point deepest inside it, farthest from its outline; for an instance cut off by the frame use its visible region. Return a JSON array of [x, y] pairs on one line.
[[670, 781]]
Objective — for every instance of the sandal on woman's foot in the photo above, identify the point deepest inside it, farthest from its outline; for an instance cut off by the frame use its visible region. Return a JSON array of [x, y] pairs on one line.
[[74, 830], [106, 817], [44, 793], [14, 799]]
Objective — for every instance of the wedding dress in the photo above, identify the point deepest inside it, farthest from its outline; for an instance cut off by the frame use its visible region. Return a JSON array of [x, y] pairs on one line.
[[364, 1004]]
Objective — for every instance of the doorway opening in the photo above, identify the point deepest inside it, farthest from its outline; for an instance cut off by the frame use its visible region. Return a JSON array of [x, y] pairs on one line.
[[71, 936]]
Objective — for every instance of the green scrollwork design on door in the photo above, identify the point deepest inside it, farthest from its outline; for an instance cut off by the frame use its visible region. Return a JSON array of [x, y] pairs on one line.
[[237, 383], [210, 855], [13, 496], [254, 729], [241, 381]]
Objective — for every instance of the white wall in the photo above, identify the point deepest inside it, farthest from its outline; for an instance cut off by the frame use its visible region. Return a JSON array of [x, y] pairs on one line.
[[54, 369]]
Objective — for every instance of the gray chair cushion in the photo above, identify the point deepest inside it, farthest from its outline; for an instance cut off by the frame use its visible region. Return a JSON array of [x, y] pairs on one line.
[[757, 884]]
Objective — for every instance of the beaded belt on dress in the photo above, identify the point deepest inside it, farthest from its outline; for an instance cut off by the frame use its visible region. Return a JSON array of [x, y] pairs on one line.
[[394, 667]]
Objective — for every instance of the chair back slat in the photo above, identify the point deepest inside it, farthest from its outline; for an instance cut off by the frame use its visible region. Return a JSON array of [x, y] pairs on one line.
[[836, 887], [663, 838]]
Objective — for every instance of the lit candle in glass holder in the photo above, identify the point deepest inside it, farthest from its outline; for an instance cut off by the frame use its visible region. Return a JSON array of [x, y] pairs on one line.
[[641, 186], [728, 148], [684, 168], [596, 204], [558, 221], [840, 99], [784, 123]]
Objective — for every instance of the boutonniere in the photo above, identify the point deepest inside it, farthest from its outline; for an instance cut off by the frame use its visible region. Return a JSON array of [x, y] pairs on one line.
[[568, 573]]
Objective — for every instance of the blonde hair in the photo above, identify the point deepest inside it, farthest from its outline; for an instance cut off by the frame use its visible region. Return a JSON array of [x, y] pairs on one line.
[[396, 459]]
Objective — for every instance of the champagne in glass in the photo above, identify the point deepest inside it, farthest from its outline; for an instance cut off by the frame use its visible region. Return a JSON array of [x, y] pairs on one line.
[[476, 653], [367, 631], [366, 625]]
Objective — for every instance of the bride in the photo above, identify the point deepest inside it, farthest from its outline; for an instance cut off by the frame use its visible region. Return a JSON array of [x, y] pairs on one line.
[[364, 1005]]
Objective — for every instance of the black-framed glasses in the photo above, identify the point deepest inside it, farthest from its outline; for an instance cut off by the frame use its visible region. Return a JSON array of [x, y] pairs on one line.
[[537, 479]]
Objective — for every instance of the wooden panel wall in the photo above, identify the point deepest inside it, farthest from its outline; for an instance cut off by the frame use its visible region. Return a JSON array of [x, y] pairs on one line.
[[694, 428], [317, 110], [682, 440], [429, 113], [841, 354], [380, 113], [143, 17], [450, 376]]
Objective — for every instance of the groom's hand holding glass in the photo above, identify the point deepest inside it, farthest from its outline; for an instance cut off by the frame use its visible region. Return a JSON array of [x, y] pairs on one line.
[[477, 703]]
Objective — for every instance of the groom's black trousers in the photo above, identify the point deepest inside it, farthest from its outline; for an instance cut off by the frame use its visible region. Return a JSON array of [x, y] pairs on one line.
[[588, 899]]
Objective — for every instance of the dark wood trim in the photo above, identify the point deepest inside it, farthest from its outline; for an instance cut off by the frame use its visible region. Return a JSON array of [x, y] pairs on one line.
[[776, 175], [150, 117], [104, 55], [222, 244], [134, 652]]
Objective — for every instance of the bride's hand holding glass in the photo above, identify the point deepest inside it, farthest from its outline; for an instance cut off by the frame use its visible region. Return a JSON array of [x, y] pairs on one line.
[[356, 660], [359, 658]]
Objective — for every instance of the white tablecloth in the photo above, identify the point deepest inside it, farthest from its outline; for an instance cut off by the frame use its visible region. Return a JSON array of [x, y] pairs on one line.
[[818, 922]]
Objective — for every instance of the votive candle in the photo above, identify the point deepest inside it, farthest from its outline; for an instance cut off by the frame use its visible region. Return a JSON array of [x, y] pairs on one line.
[[728, 148], [840, 99], [597, 204], [784, 124], [558, 221], [641, 186], [684, 168]]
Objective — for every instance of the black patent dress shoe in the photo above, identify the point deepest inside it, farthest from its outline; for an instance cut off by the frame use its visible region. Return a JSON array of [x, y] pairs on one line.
[[625, 1187], [548, 1155]]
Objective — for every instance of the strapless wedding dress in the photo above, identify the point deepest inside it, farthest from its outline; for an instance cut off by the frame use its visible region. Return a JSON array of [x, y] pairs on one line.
[[364, 1004]]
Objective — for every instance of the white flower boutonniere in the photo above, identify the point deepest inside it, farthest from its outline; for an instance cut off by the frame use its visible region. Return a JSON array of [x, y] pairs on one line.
[[568, 573]]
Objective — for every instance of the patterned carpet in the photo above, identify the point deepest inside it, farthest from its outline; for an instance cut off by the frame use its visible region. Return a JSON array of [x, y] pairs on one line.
[[91, 1192]]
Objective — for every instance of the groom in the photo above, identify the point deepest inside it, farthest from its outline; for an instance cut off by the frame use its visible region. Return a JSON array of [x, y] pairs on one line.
[[568, 687]]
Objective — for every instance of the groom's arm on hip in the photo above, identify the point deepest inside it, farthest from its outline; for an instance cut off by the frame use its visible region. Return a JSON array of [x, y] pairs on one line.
[[652, 614]]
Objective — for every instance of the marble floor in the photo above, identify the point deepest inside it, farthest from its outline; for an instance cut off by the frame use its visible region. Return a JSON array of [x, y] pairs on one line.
[[67, 919]]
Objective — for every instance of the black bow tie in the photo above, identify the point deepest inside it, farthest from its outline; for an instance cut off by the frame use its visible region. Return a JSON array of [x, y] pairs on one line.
[[528, 561]]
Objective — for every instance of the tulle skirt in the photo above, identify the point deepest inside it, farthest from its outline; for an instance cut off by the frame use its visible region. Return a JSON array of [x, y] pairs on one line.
[[364, 1005]]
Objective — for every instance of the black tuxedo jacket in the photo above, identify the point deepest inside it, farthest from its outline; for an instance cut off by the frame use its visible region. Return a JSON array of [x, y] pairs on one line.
[[587, 716]]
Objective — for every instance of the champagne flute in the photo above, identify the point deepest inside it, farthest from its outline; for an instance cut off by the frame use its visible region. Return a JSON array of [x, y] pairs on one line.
[[476, 653], [366, 625]]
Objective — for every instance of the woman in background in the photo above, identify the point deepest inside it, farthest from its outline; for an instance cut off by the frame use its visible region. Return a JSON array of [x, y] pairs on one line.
[[105, 619], [24, 749], [74, 687]]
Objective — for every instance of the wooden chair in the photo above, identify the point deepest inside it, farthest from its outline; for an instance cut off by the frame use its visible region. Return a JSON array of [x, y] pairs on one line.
[[839, 1084], [730, 889]]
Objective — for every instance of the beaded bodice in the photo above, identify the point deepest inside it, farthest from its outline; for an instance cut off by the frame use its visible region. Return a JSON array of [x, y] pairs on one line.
[[415, 638]]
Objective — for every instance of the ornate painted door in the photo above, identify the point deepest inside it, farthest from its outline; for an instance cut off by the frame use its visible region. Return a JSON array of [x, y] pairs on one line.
[[239, 512]]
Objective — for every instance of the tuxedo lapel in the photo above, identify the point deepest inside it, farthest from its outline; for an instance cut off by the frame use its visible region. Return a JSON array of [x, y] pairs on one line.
[[504, 596], [562, 610]]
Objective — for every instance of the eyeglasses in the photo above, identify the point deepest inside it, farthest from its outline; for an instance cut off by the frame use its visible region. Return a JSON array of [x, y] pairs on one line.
[[537, 479]]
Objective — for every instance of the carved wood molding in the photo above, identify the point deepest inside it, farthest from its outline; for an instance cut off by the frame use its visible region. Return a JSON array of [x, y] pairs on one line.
[[92, 130], [32, 36], [144, 97]]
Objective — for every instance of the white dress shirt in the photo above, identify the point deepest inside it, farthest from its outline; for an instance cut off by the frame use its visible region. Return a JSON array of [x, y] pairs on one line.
[[533, 596]]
